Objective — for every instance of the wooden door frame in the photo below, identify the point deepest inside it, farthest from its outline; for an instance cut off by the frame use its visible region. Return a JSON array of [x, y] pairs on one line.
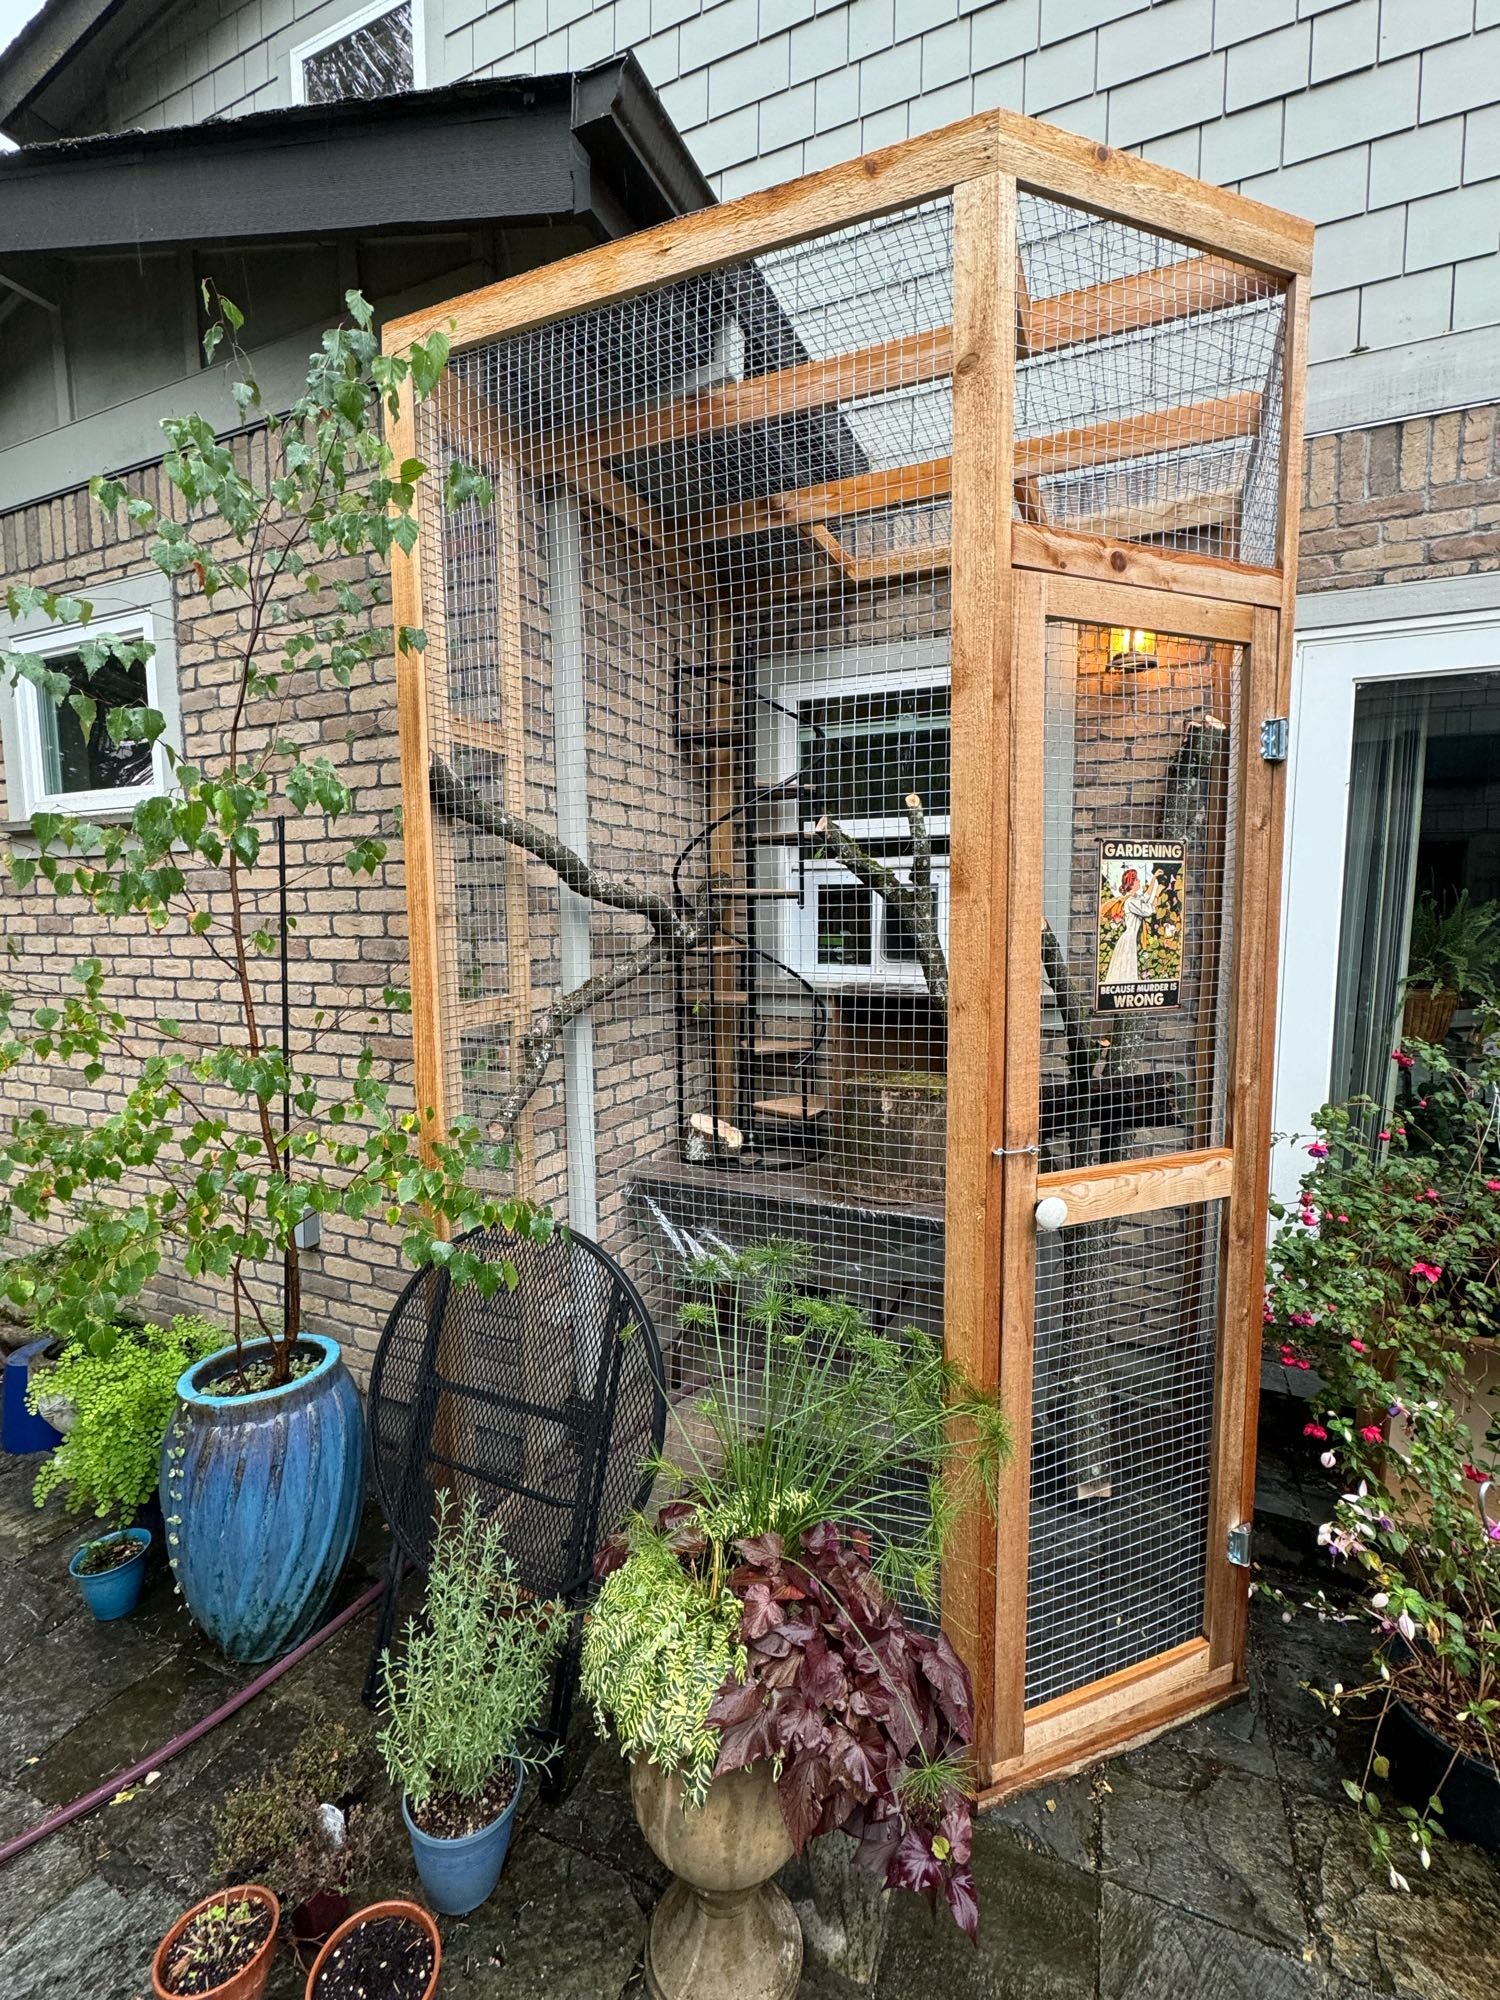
[[1061, 1734]]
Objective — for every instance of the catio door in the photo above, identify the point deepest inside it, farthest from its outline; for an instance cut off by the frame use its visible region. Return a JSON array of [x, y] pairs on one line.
[[1132, 1225]]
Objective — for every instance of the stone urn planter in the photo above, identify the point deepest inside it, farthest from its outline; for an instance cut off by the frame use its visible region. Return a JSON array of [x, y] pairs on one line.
[[723, 1930]]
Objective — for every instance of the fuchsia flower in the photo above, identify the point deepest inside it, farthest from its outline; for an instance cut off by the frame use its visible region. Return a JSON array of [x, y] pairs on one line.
[[1302, 1319], [1400, 1056], [1428, 1194], [1343, 1218], [1313, 1431], [1317, 1150], [1358, 1346], [1372, 1434], [1493, 1186], [1385, 1135], [1431, 1272], [1473, 1472]]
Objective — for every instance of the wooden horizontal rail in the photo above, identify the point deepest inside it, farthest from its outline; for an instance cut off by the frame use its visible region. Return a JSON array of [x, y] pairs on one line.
[[1145, 298], [1094, 312], [1177, 429], [1167, 611], [476, 734], [1157, 431], [888, 366], [490, 1010], [798, 506], [1113, 1714], [1136, 1187], [1061, 552], [1095, 177]]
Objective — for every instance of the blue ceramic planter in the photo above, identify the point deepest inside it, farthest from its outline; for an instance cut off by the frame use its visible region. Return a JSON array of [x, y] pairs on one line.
[[262, 1496], [114, 1593], [458, 1875]]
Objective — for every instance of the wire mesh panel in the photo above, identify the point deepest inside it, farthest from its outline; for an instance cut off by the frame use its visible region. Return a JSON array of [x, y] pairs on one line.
[[1139, 843], [690, 688], [1148, 388], [1127, 1319], [689, 708]]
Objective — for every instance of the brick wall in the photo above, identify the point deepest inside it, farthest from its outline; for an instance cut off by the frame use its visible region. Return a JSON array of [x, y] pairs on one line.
[[350, 939], [1402, 502]]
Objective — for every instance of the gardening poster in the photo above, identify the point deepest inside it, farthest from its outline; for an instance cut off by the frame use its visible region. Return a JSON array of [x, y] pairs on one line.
[[1142, 911]]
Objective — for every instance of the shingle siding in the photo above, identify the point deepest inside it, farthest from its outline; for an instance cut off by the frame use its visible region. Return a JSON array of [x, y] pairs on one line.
[[1376, 118]]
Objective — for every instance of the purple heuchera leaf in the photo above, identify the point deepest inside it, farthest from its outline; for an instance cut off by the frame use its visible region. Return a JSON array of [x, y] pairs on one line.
[[848, 1698]]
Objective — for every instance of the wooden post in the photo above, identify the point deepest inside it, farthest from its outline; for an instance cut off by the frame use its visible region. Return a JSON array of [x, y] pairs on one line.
[[419, 833], [984, 329], [1263, 806]]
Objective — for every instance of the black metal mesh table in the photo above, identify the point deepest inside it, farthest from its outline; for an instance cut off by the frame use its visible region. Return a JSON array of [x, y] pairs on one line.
[[543, 1401]]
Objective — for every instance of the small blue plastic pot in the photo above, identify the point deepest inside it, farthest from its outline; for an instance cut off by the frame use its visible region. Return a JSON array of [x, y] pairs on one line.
[[114, 1593], [459, 1875]]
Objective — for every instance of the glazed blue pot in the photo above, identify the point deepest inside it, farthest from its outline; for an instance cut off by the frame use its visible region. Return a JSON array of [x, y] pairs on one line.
[[114, 1593], [458, 1875], [262, 1496]]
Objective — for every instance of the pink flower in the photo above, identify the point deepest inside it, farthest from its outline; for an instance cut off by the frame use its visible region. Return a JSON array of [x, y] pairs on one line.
[[1400, 1056], [1372, 1434], [1385, 1135], [1428, 1194], [1313, 1431], [1317, 1150], [1343, 1218], [1358, 1346], [1473, 1472], [1493, 1186], [1431, 1272]]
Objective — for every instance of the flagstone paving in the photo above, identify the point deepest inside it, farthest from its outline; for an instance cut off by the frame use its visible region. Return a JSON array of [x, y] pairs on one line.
[[1218, 1863]]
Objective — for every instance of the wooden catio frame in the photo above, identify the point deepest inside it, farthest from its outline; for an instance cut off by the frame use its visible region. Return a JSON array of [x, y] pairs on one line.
[[966, 472]]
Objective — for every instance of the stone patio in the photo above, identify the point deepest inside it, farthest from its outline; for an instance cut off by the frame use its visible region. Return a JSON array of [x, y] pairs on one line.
[[1220, 1861]]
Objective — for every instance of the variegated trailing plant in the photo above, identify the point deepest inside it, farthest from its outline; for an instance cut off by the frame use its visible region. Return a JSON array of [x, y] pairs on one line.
[[193, 1155], [758, 1619]]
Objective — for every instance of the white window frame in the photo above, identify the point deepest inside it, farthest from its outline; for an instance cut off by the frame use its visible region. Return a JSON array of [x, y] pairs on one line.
[[1331, 666], [345, 26], [833, 675], [137, 609]]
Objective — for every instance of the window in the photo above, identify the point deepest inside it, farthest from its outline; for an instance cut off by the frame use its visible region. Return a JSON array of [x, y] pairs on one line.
[[375, 52], [58, 760], [862, 730], [1423, 840]]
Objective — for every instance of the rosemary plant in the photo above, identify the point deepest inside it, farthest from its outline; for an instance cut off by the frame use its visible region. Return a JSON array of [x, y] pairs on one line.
[[476, 1670]]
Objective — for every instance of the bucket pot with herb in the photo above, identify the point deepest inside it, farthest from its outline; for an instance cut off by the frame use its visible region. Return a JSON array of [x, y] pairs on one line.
[[459, 1705], [110, 1571]]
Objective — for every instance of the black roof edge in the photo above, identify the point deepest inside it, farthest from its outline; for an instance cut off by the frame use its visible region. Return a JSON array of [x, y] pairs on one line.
[[597, 140], [621, 124], [44, 46]]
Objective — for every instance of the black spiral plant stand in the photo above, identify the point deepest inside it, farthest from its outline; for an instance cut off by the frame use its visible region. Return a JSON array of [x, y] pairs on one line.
[[542, 1401]]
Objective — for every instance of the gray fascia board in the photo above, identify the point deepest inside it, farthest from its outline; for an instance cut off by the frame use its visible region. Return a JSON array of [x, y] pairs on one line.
[[242, 187], [129, 434], [1372, 604], [1453, 371]]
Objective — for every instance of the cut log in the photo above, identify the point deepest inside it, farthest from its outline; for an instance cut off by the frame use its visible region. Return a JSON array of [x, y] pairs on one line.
[[893, 1130]]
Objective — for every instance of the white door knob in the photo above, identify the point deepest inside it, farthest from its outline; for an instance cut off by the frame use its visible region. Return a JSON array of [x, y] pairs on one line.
[[1051, 1213]]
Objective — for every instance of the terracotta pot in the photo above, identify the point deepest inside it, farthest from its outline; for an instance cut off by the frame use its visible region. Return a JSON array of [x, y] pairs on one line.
[[723, 1930], [1428, 1012], [318, 1915], [370, 1914], [250, 1981]]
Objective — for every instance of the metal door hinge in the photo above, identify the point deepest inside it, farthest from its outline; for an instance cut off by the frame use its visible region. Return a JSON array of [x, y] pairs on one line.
[[1275, 735], [1238, 1549]]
